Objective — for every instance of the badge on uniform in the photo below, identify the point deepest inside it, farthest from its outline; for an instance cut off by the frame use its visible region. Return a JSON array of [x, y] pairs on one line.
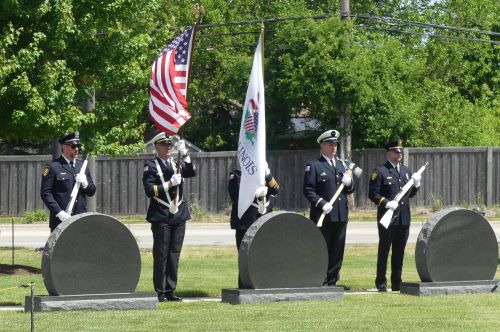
[[46, 170], [374, 175], [323, 174]]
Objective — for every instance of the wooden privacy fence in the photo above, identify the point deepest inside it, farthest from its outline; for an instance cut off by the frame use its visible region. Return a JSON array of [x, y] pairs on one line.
[[454, 176]]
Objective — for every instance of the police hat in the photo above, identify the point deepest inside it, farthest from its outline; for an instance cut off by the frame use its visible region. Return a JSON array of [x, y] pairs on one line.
[[329, 135], [161, 137], [71, 138], [394, 145]]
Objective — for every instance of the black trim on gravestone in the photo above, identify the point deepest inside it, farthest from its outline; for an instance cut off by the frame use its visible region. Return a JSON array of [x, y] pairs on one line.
[[456, 245], [283, 250], [91, 253]]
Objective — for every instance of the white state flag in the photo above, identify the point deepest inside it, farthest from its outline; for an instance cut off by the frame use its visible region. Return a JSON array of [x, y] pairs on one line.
[[252, 142]]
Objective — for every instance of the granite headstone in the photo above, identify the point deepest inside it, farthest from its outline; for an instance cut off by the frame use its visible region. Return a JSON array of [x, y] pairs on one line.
[[283, 250], [456, 244], [91, 253]]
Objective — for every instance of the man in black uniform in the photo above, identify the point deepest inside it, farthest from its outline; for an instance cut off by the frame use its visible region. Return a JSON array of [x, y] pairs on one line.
[[322, 178], [168, 218], [252, 214], [386, 182], [59, 178]]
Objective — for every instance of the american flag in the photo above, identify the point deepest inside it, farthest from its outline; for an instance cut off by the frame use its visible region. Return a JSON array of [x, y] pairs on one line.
[[168, 84]]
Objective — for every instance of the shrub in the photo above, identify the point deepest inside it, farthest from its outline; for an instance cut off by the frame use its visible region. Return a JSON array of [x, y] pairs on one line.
[[39, 215]]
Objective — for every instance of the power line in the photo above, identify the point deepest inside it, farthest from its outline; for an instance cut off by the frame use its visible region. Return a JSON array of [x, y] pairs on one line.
[[425, 25]]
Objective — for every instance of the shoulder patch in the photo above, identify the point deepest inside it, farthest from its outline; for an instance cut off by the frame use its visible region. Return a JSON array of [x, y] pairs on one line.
[[46, 170], [146, 168], [231, 176], [374, 175], [308, 168]]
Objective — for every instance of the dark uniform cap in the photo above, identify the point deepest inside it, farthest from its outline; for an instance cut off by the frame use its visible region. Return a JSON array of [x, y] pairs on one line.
[[73, 138], [329, 135], [394, 145], [161, 137]]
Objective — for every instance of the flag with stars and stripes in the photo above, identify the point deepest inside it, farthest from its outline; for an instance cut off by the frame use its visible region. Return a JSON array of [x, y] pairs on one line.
[[168, 84]]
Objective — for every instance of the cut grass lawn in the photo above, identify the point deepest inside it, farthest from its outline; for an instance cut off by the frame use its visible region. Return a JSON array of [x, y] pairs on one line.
[[205, 270]]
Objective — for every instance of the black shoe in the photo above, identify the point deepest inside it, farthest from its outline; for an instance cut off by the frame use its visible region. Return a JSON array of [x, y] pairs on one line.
[[395, 288], [162, 297], [382, 289], [173, 298]]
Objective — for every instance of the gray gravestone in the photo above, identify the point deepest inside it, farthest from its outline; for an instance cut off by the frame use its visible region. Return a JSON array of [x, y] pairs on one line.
[[91, 253], [456, 245], [283, 250]]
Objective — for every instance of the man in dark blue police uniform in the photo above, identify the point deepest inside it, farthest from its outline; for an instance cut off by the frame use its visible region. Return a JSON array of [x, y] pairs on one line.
[[271, 189], [386, 181], [59, 178], [166, 213], [322, 178]]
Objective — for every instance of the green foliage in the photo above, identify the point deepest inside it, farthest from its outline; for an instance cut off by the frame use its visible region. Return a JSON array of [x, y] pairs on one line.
[[39, 215], [57, 55]]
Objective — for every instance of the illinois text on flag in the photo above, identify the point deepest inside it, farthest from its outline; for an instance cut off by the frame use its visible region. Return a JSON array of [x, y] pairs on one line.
[[252, 141], [168, 84]]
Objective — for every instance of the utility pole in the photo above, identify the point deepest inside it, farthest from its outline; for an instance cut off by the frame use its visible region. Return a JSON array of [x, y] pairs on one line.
[[345, 108]]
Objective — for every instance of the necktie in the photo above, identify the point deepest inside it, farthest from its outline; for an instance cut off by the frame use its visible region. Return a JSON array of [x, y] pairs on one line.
[[333, 162], [72, 164]]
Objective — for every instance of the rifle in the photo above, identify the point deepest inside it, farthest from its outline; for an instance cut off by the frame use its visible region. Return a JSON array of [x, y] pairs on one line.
[[76, 187], [387, 218], [351, 168]]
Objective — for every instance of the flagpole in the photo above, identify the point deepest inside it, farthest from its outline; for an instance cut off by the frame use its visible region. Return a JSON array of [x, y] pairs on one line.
[[199, 11], [262, 202]]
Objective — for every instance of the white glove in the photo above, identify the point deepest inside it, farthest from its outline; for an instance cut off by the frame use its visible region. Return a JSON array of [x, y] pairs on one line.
[[416, 178], [261, 191], [181, 147], [346, 180], [393, 205], [63, 215], [82, 178], [327, 208], [268, 171], [176, 179]]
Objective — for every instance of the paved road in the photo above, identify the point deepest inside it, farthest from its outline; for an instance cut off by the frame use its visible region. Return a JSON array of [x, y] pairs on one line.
[[35, 235]]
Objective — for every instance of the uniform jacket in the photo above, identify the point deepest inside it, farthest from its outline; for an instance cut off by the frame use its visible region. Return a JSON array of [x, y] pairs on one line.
[[58, 180], [252, 214], [157, 212], [385, 184], [321, 181]]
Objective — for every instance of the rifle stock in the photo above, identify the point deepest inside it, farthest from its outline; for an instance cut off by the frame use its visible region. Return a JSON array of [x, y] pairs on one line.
[[337, 193], [387, 217], [76, 187]]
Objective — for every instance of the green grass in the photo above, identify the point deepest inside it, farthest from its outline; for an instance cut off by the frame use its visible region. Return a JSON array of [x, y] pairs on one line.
[[205, 270], [420, 214]]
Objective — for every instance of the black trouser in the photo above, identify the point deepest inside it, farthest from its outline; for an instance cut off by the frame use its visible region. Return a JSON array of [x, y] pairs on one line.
[[240, 233], [397, 236], [167, 245], [334, 234]]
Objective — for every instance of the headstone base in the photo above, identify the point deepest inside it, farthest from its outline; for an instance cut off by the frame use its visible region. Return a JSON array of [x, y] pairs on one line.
[[267, 295], [448, 287], [93, 302]]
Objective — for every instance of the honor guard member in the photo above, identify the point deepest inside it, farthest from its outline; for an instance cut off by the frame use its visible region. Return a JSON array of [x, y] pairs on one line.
[[386, 181], [271, 189], [322, 178], [168, 218], [59, 178]]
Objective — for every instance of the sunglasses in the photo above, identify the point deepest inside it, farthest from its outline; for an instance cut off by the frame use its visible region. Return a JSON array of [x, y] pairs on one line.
[[74, 146]]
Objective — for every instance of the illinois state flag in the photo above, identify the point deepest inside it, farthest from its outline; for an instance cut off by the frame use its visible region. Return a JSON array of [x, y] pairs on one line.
[[168, 84], [252, 141]]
